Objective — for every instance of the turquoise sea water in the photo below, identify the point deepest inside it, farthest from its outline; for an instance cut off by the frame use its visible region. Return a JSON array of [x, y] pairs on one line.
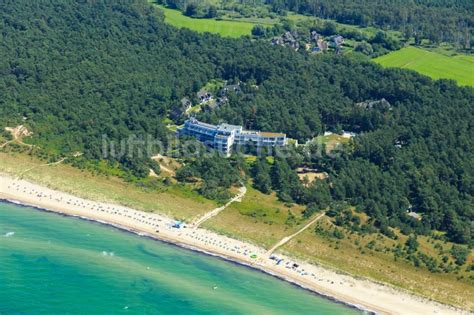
[[50, 264]]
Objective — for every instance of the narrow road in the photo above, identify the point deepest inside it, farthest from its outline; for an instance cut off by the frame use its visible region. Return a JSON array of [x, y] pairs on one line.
[[196, 223], [288, 238], [47, 164], [4, 144], [16, 137], [161, 160], [166, 169]]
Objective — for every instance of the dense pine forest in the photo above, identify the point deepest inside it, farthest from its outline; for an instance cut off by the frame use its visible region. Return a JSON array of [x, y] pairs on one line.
[[73, 71]]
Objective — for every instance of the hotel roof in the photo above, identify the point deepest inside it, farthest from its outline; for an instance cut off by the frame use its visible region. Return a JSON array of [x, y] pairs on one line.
[[228, 127], [202, 124], [271, 134]]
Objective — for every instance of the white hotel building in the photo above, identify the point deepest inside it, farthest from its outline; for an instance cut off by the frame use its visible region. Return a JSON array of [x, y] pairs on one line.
[[224, 136]]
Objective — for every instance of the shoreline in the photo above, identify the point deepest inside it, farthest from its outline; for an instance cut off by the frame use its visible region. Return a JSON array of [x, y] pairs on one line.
[[352, 292], [195, 250]]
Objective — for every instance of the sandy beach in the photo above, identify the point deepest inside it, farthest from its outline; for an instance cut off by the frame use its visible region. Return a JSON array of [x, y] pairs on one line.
[[364, 294]]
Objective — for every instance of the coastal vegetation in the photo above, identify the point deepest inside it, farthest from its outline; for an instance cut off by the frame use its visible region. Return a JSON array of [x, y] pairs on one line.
[[218, 175], [174, 200], [259, 218], [356, 253]]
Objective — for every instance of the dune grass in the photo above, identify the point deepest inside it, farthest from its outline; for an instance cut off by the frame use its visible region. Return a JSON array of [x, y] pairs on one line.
[[225, 28], [433, 64], [380, 265], [259, 218], [174, 200]]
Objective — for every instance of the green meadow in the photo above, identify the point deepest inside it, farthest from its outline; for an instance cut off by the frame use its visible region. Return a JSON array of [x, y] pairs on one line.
[[433, 64], [224, 28]]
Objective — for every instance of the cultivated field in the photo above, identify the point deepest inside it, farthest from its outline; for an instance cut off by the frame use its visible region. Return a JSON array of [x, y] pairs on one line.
[[222, 27], [435, 65]]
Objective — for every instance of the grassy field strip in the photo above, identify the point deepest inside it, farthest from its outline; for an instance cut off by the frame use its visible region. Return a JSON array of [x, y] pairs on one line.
[[414, 61], [224, 28], [435, 65]]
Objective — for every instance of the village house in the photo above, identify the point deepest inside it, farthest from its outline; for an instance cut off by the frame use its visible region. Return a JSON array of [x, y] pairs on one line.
[[218, 102], [287, 39], [322, 45], [204, 96], [371, 104], [337, 41], [314, 36], [235, 88], [414, 215], [186, 104], [316, 50], [222, 100], [278, 41]]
